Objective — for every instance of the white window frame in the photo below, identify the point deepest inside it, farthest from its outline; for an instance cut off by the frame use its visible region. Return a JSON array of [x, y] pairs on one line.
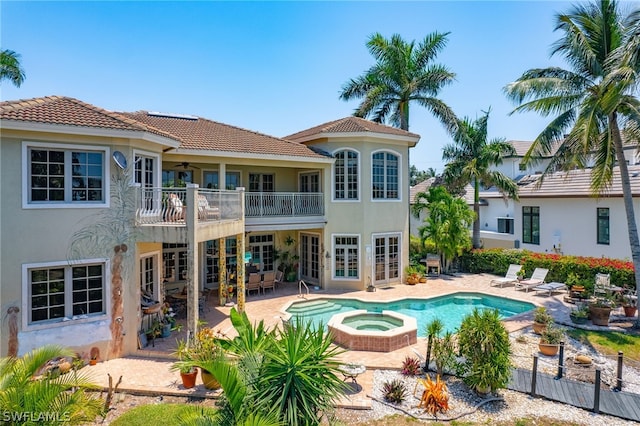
[[334, 256], [42, 325], [157, 179], [359, 177], [156, 290], [400, 172], [227, 172], [310, 173], [262, 245], [26, 177], [386, 235]]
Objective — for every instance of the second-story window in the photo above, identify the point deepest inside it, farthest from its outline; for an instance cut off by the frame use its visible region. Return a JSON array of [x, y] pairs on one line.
[[603, 225], [145, 170], [261, 182], [346, 175], [61, 175], [531, 225], [384, 176]]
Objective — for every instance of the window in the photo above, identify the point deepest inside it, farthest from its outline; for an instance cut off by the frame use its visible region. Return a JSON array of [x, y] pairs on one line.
[[505, 225], [262, 255], [174, 259], [346, 175], [261, 183], [531, 225], [65, 174], [64, 291], [211, 180], [384, 176], [149, 276], [213, 258], [309, 182], [603, 225], [145, 170], [346, 257], [176, 178]]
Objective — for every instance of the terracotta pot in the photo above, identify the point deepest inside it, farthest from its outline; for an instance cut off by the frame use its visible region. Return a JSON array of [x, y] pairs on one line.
[[600, 315], [208, 380], [548, 349], [189, 379], [423, 280], [629, 311], [93, 361], [538, 327]]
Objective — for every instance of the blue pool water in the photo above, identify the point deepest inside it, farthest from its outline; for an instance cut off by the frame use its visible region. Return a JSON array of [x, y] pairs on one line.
[[450, 309]]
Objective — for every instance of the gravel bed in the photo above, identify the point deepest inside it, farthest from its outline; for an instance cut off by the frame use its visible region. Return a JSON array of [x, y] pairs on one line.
[[466, 405]]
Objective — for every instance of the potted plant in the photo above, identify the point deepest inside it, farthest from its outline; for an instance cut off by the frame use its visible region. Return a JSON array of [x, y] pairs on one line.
[[629, 302], [579, 314], [200, 350], [188, 372], [550, 340], [520, 274], [413, 276], [288, 260], [600, 309], [541, 318], [94, 355]]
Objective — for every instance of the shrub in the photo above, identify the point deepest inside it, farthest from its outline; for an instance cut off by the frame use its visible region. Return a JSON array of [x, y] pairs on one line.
[[394, 391], [484, 343], [552, 335], [435, 398], [541, 316], [410, 366]]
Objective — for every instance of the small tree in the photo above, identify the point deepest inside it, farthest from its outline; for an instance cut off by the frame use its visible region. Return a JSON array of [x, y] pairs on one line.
[[484, 343], [447, 224]]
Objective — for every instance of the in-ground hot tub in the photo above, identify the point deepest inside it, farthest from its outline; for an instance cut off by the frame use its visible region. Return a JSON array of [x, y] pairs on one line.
[[361, 330]]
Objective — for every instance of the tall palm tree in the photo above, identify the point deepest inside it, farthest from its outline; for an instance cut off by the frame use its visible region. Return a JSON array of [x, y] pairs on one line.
[[10, 68], [593, 101], [471, 157], [403, 73]]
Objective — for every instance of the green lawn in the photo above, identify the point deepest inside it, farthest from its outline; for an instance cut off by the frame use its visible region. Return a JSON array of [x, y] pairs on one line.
[[158, 414], [609, 342]]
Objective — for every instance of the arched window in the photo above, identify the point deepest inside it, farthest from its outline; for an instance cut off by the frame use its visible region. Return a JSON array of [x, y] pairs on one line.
[[384, 176], [346, 175]]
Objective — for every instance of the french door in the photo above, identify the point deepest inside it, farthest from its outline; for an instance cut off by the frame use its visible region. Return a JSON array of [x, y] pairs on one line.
[[310, 258], [387, 258]]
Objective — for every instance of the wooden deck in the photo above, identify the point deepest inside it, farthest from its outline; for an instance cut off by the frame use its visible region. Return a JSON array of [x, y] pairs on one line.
[[579, 394]]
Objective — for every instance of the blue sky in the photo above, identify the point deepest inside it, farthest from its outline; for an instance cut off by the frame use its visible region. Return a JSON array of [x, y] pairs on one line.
[[274, 67]]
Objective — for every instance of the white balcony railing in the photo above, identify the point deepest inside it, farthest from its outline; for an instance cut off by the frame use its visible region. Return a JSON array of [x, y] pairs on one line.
[[270, 204], [168, 206]]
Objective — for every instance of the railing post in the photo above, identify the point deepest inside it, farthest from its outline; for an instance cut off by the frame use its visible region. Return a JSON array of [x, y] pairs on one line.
[[618, 387], [534, 374], [596, 392], [560, 362]]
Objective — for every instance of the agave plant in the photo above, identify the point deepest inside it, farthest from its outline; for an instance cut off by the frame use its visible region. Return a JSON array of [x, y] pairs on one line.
[[411, 366], [435, 398], [394, 391]]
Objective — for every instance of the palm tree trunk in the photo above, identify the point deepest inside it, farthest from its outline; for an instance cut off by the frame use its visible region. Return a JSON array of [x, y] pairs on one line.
[[476, 210], [632, 228]]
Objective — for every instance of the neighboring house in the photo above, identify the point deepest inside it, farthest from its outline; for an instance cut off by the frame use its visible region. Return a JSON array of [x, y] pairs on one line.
[[417, 222], [101, 207]]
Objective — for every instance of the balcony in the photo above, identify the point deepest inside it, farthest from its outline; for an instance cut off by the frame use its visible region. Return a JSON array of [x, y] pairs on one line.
[[169, 206], [284, 210]]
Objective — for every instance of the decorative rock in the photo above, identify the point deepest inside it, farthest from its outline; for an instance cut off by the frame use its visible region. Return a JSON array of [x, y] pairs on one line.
[[583, 359]]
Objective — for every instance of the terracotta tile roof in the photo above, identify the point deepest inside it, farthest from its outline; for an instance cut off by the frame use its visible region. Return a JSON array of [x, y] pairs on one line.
[[575, 183], [348, 125], [522, 147], [62, 110], [198, 133], [420, 187]]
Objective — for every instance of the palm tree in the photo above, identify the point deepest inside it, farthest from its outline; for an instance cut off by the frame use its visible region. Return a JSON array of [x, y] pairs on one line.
[[593, 101], [447, 224], [10, 68], [403, 73], [53, 399], [470, 160]]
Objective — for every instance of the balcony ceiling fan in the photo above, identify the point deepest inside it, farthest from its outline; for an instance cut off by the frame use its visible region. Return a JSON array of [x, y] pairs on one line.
[[186, 165]]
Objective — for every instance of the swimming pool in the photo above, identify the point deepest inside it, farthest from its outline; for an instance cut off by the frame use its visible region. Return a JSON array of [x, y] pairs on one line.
[[450, 309]]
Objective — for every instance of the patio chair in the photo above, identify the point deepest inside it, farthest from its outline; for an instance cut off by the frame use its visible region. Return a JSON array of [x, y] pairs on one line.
[[205, 211], [253, 284], [269, 281], [603, 287], [550, 287], [537, 278], [510, 277], [279, 279]]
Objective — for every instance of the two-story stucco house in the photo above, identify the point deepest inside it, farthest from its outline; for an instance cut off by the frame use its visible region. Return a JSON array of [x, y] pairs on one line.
[[100, 208]]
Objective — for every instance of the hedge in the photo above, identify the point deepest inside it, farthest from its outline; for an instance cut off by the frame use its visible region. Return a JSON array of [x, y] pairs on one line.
[[497, 261]]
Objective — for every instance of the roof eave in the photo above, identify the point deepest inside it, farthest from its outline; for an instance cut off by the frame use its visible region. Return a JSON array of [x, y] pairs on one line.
[[413, 140], [88, 131], [250, 155]]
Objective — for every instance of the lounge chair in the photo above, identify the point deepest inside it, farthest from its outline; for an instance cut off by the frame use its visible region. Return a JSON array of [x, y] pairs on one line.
[[550, 287], [537, 278], [510, 277], [253, 284]]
